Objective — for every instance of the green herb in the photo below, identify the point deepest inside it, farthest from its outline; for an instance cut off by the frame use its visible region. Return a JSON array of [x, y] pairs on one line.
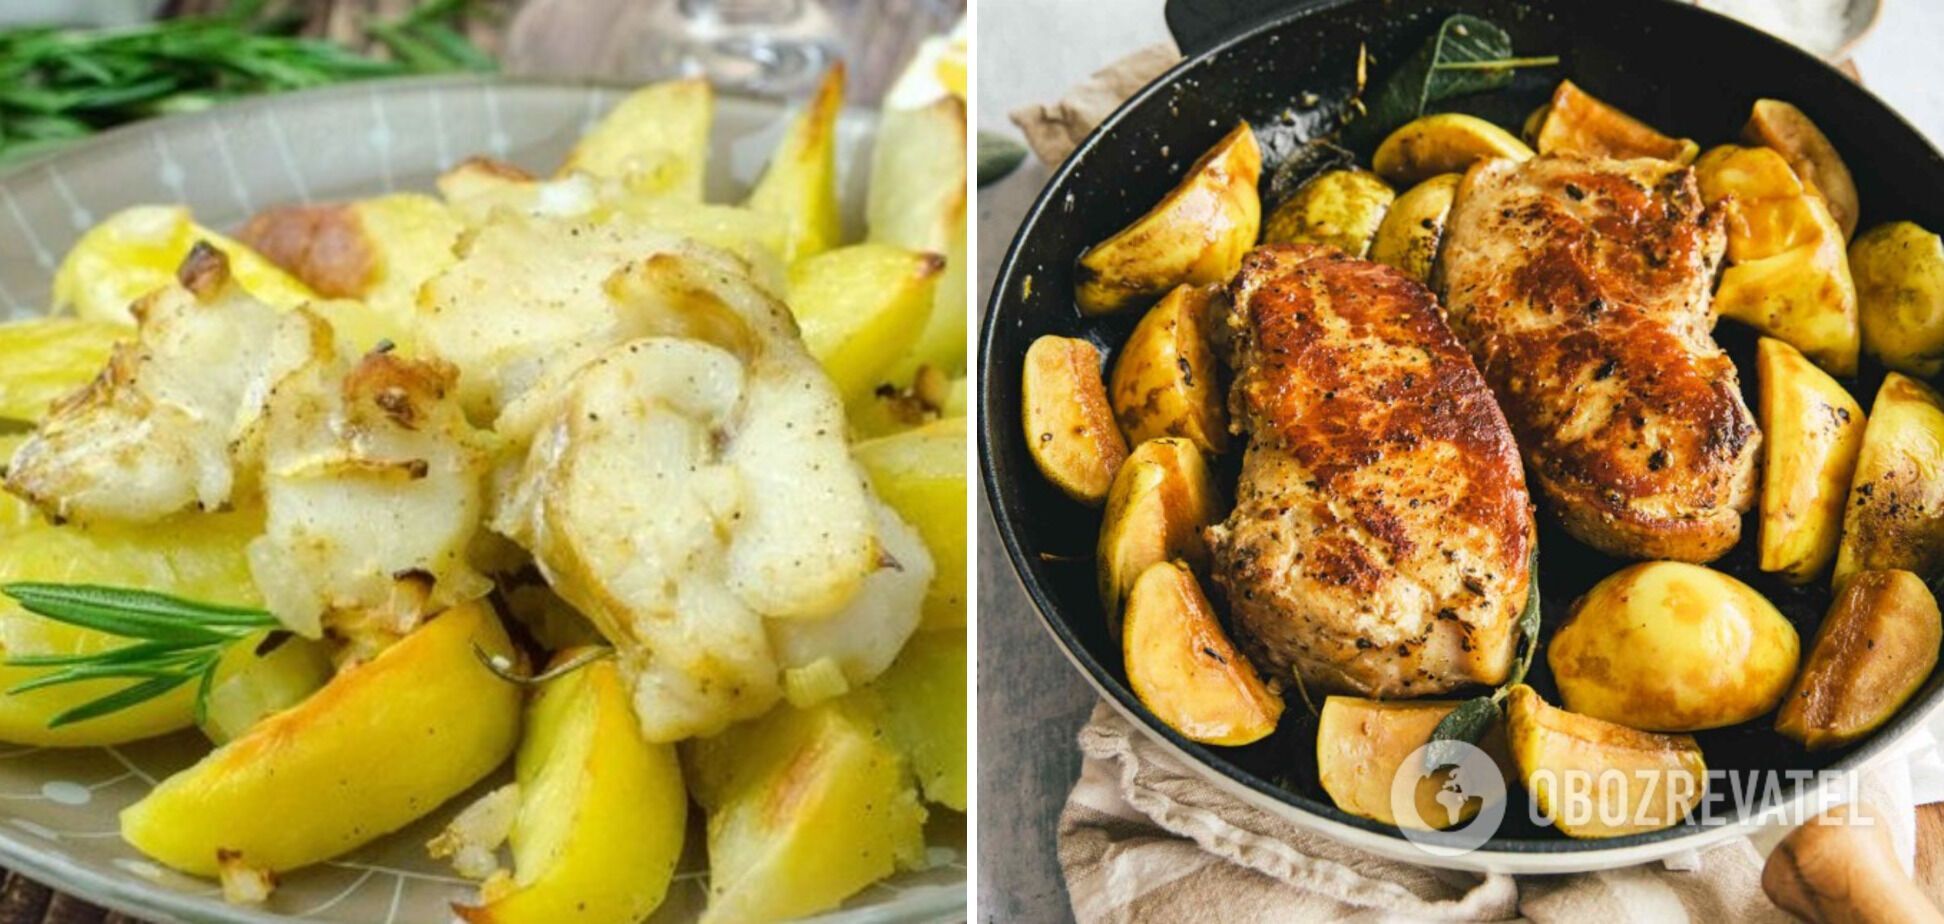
[[58, 85], [1474, 717], [998, 157], [178, 641], [1467, 55]]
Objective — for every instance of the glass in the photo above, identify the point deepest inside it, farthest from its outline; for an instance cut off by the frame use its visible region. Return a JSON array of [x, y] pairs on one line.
[[765, 47]]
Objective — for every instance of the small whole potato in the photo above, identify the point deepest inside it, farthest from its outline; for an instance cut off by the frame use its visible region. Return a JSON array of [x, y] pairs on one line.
[[1899, 272], [1672, 647]]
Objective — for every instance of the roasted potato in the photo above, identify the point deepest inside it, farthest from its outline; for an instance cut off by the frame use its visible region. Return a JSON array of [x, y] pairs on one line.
[[1166, 379], [1361, 744], [805, 807], [1070, 427], [1448, 142], [1895, 515], [924, 709], [1598, 779], [1195, 235], [916, 200], [1578, 125], [1787, 276], [655, 141], [1413, 229], [263, 685], [602, 812], [44, 359], [1899, 273], [137, 250], [861, 309], [1779, 125], [1673, 647], [921, 474], [799, 187], [1161, 499], [1875, 648], [1183, 666], [1341, 208], [284, 795], [1812, 429]]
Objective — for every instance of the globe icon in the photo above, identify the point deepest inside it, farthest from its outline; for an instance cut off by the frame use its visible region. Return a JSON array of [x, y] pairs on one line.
[[1470, 795]]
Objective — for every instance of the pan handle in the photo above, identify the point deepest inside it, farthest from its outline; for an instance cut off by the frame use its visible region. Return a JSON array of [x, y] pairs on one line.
[[1198, 25]]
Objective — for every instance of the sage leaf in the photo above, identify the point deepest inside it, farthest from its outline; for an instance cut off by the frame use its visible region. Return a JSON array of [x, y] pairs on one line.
[[1468, 724], [999, 156], [1467, 55]]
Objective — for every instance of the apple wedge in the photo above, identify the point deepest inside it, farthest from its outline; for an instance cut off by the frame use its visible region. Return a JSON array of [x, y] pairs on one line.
[[602, 811], [1814, 430], [1597, 779], [293, 790], [1895, 513], [1070, 428], [1183, 666], [1361, 744], [799, 187]]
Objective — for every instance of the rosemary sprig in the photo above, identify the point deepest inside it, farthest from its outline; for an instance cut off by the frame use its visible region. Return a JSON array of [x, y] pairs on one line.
[[176, 641]]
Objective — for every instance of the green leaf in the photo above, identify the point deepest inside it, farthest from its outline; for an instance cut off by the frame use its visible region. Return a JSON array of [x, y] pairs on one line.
[[999, 156], [1467, 55], [132, 695], [1467, 723], [1529, 620]]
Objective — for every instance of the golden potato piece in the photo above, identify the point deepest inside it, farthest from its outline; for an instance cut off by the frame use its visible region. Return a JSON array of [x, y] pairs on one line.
[[1166, 380], [137, 250], [1895, 515], [924, 709], [43, 359], [1899, 274], [921, 474], [1578, 125], [861, 309], [656, 140], [1669, 646], [1448, 142], [1413, 229], [1812, 430], [1183, 666], [1341, 208], [1361, 744], [799, 187], [1070, 428], [296, 789], [602, 812], [1598, 779], [1197, 234], [1874, 650], [916, 199], [1779, 125], [1161, 499], [1788, 276]]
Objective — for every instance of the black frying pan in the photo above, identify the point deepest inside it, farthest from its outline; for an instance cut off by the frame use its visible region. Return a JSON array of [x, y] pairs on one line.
[[1683, 70]]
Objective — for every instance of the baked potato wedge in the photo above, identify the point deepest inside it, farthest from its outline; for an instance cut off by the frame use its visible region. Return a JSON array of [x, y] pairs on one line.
[[280, 796], [45, 359], [1899, 274], [1448, 142], [1341, 208], [1413, 229], [1161, 499], [1894, 518], [1788, 276], [1361, 744], [1598, 779], [862, 308], [805, 808], [137, 250], [799, 187], [1673, 647], [916, 200], [1166, 379], [602, 813], [1812, 431], [1070, 426], [655, 141], [1874, 650], [1183, 666], [921, 474], [1577, 124], [1195, 235], [924, 710], [1775, 124]]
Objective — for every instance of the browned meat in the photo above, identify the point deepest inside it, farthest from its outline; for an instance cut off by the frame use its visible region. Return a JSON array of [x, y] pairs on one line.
[[1582, 289], [1381, 527]]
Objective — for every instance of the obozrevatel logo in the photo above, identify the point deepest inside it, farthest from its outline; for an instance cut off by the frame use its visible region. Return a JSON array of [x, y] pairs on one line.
[[1466, 793]]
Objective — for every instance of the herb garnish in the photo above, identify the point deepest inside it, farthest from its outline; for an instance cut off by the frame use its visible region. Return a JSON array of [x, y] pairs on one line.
[[1467, 55], [1474, 717]]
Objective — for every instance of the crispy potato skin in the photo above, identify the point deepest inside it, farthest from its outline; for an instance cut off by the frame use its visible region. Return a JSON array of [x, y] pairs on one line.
[[1183, 666], [1669, 646], [1581, 288], [1779, 125], [1447, 142], [1166, 381], [1899, 273], [1413, 230], [324, 246], [1069, 424], [1380, 537], [1895, 514], [1549, 744], [1160, 501], [1815, 429], [1341, 208], [1874, 650], [1197, 234], [1579, 125]]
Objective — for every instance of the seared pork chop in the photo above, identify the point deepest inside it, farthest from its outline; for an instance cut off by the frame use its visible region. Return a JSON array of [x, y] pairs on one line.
[[1381, 528], [1582, 289]]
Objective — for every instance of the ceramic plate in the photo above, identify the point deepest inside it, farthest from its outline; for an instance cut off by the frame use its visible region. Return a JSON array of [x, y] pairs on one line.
[[58, 807]]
